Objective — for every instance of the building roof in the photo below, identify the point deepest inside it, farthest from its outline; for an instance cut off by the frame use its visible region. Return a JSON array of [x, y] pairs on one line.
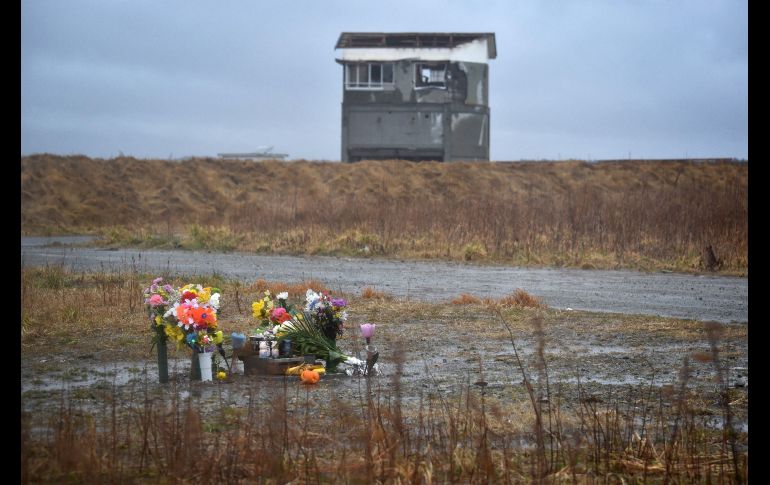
[[421, 40]]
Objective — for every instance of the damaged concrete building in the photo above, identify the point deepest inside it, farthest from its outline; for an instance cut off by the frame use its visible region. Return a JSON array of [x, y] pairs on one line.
[[415, 96]]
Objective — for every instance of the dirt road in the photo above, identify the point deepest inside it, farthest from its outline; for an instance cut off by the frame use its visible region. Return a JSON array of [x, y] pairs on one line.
[[701, 297]]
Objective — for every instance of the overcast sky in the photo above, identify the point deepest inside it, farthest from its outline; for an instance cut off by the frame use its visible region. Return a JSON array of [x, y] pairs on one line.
[[572, 79]]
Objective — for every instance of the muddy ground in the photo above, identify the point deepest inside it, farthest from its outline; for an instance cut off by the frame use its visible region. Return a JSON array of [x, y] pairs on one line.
[[608, 358], [618, 360]]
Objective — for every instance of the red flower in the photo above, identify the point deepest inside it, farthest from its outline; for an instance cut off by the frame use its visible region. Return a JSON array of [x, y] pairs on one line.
[[279, 315], [283, 318], [189, 295]]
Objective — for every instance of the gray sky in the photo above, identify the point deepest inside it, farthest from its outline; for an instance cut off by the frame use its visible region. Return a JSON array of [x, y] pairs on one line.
[[572, 78]]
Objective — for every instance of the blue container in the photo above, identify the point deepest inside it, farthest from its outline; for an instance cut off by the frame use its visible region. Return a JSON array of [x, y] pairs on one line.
[[238, 340]]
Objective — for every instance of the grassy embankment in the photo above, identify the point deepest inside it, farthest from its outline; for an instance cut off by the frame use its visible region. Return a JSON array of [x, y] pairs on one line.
[[524, 431], [648, 215]]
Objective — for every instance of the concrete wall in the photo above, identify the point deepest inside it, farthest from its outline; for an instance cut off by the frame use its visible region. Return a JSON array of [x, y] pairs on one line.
[[414, 122]]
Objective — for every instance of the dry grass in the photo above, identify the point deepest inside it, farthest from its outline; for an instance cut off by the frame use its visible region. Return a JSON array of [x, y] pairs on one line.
[[295, 290], [466, 299], [518, 299], [369, 293], [637, 214]]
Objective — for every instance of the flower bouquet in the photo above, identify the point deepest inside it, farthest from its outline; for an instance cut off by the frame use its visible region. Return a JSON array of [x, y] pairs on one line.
[[187, 316], [315, 329], [311, 330], [327, 313], [271, 314], [157, 299], [196, 317], [308, 338]]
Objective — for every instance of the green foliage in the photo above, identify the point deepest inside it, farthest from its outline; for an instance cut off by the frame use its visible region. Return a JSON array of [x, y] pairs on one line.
[[308, 339]]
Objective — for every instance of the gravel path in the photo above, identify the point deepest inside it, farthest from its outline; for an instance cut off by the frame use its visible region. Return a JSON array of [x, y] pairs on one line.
[[701, 297]]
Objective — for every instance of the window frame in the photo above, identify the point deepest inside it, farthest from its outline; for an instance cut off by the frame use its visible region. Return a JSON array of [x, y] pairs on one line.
[[369, 84], [419, 67]]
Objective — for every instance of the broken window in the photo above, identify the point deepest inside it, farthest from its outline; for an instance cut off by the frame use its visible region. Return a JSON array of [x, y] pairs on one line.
[[433, 75], [368, 75], [387, 74]]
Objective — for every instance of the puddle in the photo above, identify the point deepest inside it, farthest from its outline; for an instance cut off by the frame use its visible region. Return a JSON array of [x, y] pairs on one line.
[[100, 375]]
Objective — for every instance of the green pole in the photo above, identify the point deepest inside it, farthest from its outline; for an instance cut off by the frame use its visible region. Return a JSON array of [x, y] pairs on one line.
[[162, 355], [195, 367]]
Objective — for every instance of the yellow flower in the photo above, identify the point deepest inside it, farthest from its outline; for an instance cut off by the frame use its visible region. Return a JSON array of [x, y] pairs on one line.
[[257, 307], [218, 337], [174, 333], [221, 375], [204, 295], [158, 320]]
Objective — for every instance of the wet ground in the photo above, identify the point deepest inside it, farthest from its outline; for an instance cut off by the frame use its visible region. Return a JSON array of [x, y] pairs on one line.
[[611, 357], [615, 363], [700, 297]]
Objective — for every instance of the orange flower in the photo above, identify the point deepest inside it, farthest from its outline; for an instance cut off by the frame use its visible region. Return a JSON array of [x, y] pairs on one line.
[[209, 317], [203, 316], [183, 313]]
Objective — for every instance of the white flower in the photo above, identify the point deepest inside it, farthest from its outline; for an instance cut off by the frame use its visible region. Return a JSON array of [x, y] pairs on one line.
[[344, 316], [312, 298], [214, 300], [171, 311], [283, 295]]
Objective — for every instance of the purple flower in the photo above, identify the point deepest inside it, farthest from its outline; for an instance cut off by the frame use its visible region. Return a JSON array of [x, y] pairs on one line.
[[367, 330], [339, 302], [156, 281]]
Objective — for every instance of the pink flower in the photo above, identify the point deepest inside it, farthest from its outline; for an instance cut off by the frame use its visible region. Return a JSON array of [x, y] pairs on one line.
[[280, 315], [367, 330], [156, 300]]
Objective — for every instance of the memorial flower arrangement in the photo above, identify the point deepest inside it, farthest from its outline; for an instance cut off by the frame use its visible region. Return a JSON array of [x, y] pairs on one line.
[[312, 329], [329, 314], [158, 298], [192, 319], [186, 316], [273, 313], [308, 338], [315, 328]]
